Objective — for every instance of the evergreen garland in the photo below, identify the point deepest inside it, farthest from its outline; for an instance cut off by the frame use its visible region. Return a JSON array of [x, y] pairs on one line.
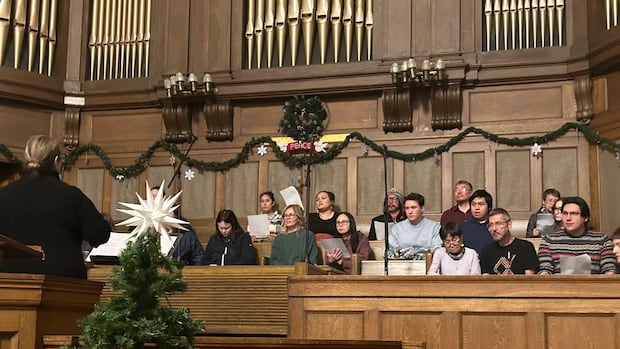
[[334, 150], [302, 118], [136, 317]]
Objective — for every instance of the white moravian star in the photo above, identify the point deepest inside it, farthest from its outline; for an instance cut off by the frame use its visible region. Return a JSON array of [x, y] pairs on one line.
[[154, 212]]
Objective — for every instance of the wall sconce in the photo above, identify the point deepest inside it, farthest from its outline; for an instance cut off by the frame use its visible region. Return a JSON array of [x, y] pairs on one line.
[[408, 71], [177, 85], [186, 98]]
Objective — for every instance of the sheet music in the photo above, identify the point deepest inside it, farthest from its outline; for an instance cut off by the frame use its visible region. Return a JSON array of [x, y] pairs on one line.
[[330, 244], [545, 222], [581, 264], [380, 229], [258, 225], [291, 196], [118, 241]]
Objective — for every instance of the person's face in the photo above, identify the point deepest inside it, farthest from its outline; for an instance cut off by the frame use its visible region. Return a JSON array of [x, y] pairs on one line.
[[154, 193], [461, 192], [557, 211], [499, 228], [452, 244], [266, 204], [393, 205], [224, 228], [414, 211], [479, 208], [616, 243], [572, 220], [290, 218], [323, 203], [549, 202], [343, 224]]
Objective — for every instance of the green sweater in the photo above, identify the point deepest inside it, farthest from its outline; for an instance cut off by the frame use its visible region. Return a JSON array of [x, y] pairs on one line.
[[288, 249]]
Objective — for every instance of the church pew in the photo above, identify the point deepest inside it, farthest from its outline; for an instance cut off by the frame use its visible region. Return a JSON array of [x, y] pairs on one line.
[[243, 300]]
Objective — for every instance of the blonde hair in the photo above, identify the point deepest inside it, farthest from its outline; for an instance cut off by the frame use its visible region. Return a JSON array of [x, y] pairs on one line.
[[299, 212], [41, 152]]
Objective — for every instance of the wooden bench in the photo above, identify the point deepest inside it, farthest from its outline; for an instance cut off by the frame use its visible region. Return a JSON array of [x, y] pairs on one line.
[[238, 300]]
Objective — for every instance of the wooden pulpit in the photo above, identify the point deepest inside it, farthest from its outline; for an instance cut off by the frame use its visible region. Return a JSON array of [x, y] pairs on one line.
[[34, 305]]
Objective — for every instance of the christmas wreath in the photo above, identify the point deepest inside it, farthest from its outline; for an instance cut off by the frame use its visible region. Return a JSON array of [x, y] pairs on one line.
[[303, 118]]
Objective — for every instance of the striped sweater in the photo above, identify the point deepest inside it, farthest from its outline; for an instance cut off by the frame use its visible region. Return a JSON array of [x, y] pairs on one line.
[[596, 245]]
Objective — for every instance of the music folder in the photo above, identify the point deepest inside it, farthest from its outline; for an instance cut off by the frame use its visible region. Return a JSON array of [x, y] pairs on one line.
[[109, 252]]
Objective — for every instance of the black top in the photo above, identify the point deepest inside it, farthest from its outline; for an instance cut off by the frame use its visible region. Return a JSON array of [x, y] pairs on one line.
[[372, 234], [515, 258], [238, 250], [47, 212], [323, 226]]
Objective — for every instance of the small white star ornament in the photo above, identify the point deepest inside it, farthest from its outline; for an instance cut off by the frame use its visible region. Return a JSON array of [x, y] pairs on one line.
[[189, 174], [154, 212], [536, 150], [262, 150]]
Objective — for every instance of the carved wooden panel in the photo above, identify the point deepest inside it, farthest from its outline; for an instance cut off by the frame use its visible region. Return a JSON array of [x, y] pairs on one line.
[[447, 107], [397, 110], [178, 120], [219, 118]]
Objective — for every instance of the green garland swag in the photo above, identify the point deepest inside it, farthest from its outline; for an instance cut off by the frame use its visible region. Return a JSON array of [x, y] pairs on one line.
[[292, 161], [302, 118]]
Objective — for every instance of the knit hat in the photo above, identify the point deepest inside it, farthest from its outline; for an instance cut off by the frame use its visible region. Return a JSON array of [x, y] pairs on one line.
[[398, 194]]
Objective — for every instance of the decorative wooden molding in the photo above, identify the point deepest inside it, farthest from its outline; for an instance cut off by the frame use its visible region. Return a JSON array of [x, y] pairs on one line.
[[583, 98], [178, 121], [447, 105], [397, 110], [219, 119], [71, 136]]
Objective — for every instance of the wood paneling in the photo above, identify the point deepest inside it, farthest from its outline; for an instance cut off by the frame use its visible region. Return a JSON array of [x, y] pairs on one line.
[[462, 312], [515, 103], [513, 180]]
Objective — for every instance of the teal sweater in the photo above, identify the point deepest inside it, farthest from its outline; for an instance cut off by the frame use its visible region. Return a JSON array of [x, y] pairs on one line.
[[288, 249]]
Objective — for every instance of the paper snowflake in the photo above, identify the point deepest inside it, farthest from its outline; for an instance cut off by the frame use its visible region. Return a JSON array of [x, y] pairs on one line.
[[120, 177], [536, 149], [261, 150], [173, 160], [282, 146], [320, 146], [365, 150], [154, 212], [189, 174]]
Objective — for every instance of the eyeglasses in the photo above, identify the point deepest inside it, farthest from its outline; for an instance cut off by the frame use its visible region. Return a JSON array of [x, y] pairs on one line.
[[289, 215], [392, 198], [342, 222], [453, 241], [461, 190], [498, 224]]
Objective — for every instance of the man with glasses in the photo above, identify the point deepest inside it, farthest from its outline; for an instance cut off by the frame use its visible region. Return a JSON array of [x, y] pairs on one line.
[[394, 202], [461, 211], [550, 197], [576, 240], [507, 255]]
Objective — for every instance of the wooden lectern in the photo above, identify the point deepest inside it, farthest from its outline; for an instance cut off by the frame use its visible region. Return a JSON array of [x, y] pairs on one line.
[[32, 305], [11, 249]]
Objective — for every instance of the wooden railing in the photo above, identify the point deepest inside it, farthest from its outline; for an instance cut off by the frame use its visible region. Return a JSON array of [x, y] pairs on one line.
[[460, 311]]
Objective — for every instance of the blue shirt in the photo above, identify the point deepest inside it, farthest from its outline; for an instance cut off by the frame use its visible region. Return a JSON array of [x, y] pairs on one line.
[[476, 234]]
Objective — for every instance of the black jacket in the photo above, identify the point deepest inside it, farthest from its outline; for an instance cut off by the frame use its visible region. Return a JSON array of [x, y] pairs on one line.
[[238, 250]]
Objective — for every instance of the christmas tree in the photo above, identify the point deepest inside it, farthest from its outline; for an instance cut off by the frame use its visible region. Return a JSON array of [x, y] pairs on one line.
[[145, 277]]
